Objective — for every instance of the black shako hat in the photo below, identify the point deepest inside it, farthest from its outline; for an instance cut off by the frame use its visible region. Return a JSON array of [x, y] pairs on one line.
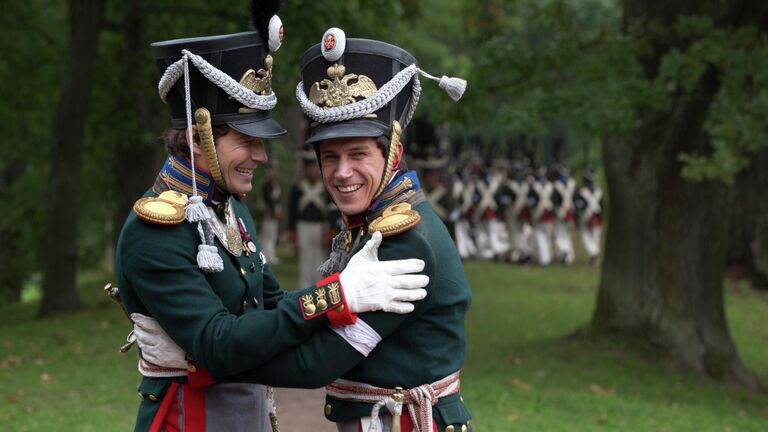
[[240, 63], [363, 68], [359, 87], [362, 88]]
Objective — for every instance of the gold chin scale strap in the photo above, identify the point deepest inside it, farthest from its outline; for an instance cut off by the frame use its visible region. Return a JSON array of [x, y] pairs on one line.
[[391, 153], [205, 132]]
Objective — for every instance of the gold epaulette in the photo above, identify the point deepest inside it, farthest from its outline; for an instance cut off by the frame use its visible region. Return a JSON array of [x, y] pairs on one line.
[[395, 220], [166, 209]]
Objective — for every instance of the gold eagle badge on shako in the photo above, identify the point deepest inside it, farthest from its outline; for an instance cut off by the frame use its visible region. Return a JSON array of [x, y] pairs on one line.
[[395, 220], [166, 209]]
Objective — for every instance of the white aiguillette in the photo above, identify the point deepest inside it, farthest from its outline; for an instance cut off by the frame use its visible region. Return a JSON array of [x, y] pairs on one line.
[[165, 209]]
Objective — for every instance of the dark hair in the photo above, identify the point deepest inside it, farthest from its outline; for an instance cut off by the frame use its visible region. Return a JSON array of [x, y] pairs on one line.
[[176, 142], [383, 142]]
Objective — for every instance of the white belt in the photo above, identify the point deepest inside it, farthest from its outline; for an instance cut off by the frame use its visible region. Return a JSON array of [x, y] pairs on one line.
[[419, 400]]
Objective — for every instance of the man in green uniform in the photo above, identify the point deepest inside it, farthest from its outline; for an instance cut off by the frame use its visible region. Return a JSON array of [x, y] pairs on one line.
[[358, 93], [187, 264]]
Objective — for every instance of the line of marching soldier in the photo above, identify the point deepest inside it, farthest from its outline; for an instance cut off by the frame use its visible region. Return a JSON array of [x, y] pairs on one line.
[[509, 211]]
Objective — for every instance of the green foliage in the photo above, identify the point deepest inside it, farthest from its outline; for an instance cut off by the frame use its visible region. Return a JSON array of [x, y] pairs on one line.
[[735, 124], [567, 60]]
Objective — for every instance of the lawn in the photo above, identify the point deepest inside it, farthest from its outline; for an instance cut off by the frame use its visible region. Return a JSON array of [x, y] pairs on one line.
[[522, 373]]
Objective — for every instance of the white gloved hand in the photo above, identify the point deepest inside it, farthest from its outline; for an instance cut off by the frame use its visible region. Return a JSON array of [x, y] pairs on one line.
[[373, 285], [156, 346]]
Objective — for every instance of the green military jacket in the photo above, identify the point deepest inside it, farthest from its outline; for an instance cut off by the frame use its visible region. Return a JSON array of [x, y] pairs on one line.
[[417, 348], [227, 322]]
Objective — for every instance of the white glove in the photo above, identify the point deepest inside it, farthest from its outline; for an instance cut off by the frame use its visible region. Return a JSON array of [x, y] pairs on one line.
[[372, 285], [156, 346]]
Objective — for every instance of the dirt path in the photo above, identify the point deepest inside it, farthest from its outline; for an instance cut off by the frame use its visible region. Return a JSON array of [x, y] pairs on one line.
[[302, 411]]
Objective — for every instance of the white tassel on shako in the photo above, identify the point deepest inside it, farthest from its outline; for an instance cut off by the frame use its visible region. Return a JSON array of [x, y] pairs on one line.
[[455, 87]]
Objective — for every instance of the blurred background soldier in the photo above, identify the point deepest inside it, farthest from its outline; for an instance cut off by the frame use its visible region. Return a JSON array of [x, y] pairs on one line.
[[540, 204], [589, 205], [272, 206], [498, 227], [436, 187], [308, 218], [464, 187], [484, 208], [517, 215], [562, 199], [430, 157]]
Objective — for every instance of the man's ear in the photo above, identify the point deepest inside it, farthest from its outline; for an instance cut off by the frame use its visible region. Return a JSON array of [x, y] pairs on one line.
[[196, 148], [398, 154]]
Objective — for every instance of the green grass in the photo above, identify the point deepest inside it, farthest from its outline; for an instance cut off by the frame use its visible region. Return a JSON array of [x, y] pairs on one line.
[[522, 374]]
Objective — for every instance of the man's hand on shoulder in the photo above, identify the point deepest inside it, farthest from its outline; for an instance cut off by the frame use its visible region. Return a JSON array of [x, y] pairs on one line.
[[390, 286]]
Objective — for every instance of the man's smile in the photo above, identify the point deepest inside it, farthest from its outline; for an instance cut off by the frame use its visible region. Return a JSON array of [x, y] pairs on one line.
[[247, 172], [349, 188]]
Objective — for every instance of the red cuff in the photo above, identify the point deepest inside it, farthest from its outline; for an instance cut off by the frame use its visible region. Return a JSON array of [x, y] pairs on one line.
[[328, 299], [341, 315], [198, 377]]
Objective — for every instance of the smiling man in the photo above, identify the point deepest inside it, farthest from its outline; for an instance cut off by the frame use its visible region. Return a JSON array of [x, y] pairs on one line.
[[352, 170], [359, 95]]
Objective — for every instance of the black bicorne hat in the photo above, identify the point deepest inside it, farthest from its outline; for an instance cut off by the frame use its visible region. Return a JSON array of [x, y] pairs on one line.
[[216, 63]]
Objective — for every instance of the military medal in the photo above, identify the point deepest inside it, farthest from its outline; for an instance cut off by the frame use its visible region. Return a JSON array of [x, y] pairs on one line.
[[249, 247]]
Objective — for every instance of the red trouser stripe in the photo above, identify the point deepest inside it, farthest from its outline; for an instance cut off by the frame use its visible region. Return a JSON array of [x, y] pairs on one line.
[[165, 405], [194, 409]]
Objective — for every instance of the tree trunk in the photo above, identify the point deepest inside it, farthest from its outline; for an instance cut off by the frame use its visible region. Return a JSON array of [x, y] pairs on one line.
[[662, 276], [136, 148], [60, 247], [748, 233], [14, 266]]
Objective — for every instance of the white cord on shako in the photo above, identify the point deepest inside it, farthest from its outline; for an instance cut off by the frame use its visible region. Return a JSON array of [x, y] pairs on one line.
[[225, 82], [455, 88]]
